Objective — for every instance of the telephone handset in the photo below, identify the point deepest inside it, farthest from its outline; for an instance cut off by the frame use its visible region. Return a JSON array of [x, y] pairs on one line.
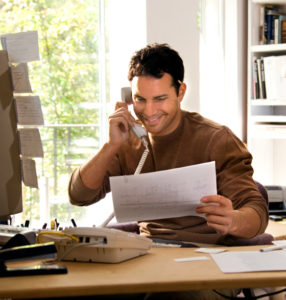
[[126, 96]]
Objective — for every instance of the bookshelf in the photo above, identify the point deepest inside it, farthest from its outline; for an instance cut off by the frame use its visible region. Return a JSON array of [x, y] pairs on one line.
[[266, 125]]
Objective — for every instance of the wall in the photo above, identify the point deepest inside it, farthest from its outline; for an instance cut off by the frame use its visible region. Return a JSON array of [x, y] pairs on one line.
[[136, 23], [175, 23]]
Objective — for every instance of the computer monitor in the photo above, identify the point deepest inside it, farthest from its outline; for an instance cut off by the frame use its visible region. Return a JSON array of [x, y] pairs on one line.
[[10, 163]]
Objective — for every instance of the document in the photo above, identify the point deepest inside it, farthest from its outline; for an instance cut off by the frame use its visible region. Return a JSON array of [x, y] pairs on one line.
[[21, 47], [20, 79], [163, 194], [250, 261], [30, 142], [29, 110], [29, 172]]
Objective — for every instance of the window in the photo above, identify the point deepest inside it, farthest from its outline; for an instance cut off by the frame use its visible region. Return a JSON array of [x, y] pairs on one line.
[[223, 63], [71, 80]]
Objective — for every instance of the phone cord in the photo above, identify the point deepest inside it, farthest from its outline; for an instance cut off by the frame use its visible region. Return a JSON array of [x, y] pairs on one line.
[[137, 171]]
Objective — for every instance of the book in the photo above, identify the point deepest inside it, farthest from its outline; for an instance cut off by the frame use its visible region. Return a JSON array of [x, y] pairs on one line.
[[255, 85], [283, 31], [263, 92], [259, 73], [271, 15], [279, 27], [262, 37]]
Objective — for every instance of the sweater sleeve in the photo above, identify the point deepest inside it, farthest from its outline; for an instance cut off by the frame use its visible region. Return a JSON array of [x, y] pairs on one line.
[[234, 175], [81, 195]]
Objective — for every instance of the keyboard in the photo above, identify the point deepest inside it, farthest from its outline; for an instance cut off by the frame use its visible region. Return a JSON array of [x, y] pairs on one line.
[[97, 244], [8, 231]]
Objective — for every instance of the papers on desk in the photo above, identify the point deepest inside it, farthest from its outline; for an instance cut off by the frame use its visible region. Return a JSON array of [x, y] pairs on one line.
[[251, 261], [162, 194]]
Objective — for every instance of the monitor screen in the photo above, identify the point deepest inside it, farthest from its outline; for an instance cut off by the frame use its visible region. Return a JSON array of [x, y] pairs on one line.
[[10, 164]]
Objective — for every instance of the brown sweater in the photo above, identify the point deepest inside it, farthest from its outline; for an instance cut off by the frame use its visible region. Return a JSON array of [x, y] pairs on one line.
[[196, 140]]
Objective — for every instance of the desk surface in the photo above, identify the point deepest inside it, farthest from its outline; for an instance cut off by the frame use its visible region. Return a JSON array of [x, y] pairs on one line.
[[153, 272]]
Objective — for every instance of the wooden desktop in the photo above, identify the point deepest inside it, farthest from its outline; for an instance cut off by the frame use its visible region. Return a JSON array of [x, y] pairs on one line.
[[153, 272]]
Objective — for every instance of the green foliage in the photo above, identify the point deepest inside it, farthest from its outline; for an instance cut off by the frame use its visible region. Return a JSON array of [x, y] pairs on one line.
[[66, 79]]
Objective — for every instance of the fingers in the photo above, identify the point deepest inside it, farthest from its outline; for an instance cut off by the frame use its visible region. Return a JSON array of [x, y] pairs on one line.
[[121, 104], [119, 123], [218, 212]]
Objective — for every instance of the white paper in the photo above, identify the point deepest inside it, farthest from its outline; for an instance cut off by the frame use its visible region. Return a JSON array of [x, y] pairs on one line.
[[275, 76], [250, 261], [30, 142], [29, 172], [162, 194], [20, 79], [210, 250], [195, 258], [29, 110], [22, 46]]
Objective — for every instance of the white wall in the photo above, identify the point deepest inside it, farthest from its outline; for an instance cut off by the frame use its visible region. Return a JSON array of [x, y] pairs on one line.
[[138, 22], [175, 23], [127, 33]]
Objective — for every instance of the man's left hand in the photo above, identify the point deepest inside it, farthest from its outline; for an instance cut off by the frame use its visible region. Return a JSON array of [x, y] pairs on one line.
[[219, 213]]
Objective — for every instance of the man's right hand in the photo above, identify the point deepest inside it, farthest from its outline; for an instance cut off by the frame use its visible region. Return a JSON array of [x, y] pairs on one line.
[[119, 124]]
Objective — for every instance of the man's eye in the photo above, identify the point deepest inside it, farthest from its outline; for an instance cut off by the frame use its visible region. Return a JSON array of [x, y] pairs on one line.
[[138, 99], [161, 98]]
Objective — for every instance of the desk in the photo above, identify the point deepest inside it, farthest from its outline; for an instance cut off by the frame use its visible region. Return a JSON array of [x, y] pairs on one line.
[[153, 272]]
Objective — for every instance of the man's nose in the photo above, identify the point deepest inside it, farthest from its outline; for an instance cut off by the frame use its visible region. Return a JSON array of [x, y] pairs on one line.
[[149, 108]]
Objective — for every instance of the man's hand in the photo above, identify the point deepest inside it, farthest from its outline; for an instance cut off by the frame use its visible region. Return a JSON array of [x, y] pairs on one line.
[[220, 215], [119, 123], [218, 212]]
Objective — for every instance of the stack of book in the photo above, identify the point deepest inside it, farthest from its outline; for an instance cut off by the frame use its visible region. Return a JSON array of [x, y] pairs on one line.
[[272, 25], [269, 77]]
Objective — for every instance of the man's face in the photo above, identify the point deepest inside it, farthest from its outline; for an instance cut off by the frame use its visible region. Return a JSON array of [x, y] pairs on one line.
[[157, 104]]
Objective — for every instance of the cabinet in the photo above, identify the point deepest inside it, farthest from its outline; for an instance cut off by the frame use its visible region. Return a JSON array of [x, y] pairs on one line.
[[266, 125]]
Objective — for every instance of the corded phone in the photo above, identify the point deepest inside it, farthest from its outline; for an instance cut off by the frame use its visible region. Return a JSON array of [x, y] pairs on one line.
[[93, 244]]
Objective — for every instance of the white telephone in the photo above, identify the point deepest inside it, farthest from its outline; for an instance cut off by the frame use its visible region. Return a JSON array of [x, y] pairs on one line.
[[126, 96], [93, 244]]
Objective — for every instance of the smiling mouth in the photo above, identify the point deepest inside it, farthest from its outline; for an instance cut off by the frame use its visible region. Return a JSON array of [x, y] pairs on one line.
[[153, 120]]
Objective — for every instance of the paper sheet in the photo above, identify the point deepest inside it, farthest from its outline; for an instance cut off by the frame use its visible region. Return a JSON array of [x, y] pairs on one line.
[[29, 172], [20, 79], [30, 142], [29, 110], [250, 261], [22, 46], [162, 194]]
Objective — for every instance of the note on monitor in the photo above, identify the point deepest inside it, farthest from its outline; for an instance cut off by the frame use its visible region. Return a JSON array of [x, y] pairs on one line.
[[21, 47]]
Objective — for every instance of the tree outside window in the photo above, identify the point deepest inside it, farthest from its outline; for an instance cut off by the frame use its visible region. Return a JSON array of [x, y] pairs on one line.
[[72, 81]]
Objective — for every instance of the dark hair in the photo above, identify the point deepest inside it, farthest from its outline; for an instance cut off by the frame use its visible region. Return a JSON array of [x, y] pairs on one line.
[[155, 60]]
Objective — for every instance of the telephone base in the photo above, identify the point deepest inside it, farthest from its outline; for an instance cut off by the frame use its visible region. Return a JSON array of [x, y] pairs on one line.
[[92, 244]]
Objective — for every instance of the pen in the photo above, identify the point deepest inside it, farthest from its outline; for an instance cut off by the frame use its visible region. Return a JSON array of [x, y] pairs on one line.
[[272, 248], [73, 222]]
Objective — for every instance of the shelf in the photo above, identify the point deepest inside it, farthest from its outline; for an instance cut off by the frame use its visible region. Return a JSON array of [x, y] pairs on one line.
[[268, 119], [268, 48], [282, 2], [266, 102]]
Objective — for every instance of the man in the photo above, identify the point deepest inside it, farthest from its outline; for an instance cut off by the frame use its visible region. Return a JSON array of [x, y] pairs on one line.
[[176, 139]]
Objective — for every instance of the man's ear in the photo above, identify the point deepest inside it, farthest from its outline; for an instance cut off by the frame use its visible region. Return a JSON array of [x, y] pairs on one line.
[[182, 91]]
